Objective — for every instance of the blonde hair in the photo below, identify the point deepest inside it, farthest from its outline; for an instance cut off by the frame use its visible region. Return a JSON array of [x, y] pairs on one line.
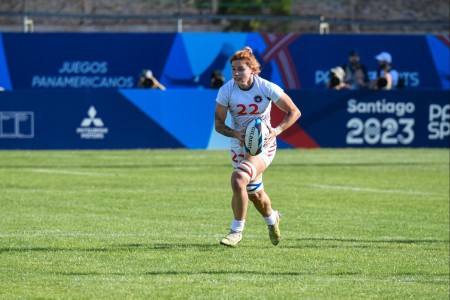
[[246, 54]]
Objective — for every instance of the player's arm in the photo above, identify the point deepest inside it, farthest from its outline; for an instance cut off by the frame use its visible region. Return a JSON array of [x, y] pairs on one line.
[[286, 104], [220, 116], [159, 84], [388, 77]]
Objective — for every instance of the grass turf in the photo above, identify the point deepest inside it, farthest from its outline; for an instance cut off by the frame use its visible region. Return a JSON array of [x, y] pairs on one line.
[[146, 224]]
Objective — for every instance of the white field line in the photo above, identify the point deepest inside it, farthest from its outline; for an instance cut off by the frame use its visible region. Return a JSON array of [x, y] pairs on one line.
[[67, 172], [360, 189]]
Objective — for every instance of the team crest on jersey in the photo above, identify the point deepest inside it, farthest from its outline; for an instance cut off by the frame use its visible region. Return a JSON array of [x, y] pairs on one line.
[[257, 99]]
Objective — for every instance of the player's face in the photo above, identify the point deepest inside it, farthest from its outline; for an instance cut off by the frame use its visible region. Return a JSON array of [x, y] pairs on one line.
[[242, 74]]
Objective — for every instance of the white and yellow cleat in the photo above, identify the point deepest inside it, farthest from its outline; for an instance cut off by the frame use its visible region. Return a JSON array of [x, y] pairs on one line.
[[232, 239], [274, 231]]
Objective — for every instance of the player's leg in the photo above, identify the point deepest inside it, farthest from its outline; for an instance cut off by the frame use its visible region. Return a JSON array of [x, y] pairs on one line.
[[261, 200], [239, 204], [262, 203], [255, 188], [243, 173], [239, 200]]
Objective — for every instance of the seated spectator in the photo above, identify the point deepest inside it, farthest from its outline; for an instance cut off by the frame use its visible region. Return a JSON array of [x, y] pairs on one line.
[[355, 72], [387, 77], [148, 81], [336, 81]]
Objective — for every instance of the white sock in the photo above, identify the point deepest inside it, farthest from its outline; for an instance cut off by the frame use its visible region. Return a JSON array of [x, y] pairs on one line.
[[270, 220], [237, 225]]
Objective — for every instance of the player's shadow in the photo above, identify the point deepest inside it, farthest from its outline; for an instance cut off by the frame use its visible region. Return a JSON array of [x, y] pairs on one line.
[[168, 246], [115, 248], [288, 243]]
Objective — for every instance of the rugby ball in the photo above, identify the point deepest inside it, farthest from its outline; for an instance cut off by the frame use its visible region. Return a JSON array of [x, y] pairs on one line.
[[255, 136]]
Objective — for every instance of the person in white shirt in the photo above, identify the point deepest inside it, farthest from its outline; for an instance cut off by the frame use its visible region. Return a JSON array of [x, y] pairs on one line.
[[387, 77], [247, 96]]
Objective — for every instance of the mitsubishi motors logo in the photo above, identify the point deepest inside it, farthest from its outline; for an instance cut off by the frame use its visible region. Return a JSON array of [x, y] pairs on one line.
[[92, 127]]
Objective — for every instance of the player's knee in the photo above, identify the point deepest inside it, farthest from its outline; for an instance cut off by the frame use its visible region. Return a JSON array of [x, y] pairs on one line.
[[256, 197], [246, 169], [238, 181], [255, 186]]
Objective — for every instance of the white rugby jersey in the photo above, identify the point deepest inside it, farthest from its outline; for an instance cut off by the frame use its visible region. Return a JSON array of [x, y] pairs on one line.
[[245, 105]]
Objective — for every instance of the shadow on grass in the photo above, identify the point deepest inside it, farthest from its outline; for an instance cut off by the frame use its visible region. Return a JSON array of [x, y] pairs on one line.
[[394, 241], [299, 244], [209, 164], [361, 243], [113, 248], [208, 272], [110, 166]]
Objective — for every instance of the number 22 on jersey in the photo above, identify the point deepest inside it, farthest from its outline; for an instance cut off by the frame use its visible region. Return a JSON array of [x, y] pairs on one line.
[[252, 109]]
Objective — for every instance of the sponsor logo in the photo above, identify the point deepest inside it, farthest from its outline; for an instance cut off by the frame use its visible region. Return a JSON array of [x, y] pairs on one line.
[[380, 122], [257, 99], [92, 128], [439, 121], [16, 124], [380, 106], [82, 74], [410, 79]]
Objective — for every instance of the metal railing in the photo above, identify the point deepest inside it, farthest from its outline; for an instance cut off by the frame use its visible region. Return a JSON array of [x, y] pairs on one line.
[[323, 24]]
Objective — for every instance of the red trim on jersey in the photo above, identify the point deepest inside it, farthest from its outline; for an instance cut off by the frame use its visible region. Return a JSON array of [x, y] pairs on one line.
[[247, 171]]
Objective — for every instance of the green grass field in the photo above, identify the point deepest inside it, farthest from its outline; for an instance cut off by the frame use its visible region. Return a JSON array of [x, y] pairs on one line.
[[357, 224]]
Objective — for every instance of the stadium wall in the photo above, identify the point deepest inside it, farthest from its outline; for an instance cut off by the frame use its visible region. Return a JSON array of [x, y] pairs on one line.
[[184, 118]]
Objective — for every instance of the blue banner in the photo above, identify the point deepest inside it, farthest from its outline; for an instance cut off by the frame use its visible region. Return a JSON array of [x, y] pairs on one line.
[[376, 119], [181, 60], [132, 118]]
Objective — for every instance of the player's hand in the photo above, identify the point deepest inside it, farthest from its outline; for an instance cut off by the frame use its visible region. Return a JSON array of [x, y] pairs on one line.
[[272, 134], [240, 135]]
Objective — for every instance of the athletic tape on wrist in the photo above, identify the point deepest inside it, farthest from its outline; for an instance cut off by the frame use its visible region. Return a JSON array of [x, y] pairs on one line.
[[278, 130]]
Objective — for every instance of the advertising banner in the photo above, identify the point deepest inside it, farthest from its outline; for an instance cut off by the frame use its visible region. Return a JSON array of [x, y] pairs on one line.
[[106, 61], [376, 119], [132, 118]]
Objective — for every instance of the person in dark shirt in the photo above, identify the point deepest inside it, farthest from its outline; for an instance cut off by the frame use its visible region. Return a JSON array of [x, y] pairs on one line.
[[355, 73], [217, 79]]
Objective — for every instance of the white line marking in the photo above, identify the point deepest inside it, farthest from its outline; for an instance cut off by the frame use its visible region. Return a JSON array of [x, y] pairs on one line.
[[360, 189], [67, 172]]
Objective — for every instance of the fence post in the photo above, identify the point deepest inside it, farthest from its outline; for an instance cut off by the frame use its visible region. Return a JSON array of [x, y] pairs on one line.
[[324, 27], [28, 25]]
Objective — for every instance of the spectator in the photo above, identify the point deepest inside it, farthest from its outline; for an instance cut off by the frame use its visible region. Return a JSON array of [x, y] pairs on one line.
[[355, 73], [217, 79], [387, 77], [336, 80], [148, 81]]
